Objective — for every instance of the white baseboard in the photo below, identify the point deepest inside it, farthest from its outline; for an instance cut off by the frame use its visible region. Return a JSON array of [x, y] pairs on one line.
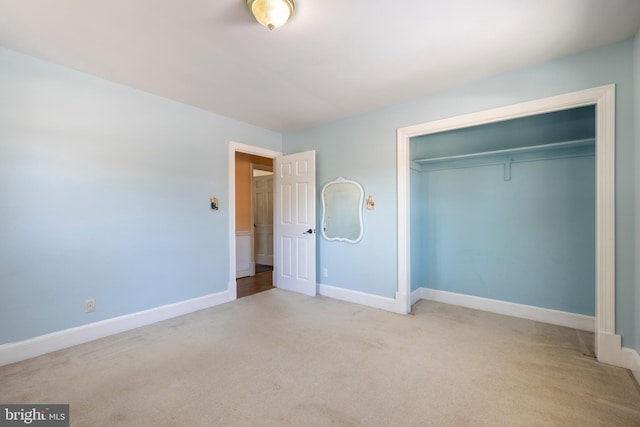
[[555, 317], [32, 347], [635, 363], [243, 273], [417, 295], [244, 266], [357, 297], [610, 351]]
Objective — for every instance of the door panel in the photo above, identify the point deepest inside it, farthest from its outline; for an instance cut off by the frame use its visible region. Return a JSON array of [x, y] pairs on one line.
[[295, 214], [263, 219], [303, 267]]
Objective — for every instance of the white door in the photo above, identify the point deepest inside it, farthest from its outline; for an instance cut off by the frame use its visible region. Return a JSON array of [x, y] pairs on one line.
[[263, 218], [295, 222]]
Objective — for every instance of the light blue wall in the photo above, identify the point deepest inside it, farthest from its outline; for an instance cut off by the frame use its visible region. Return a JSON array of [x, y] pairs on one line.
[[363, 148], [636, 73], [529, 240], [356, 150], [104, 194]]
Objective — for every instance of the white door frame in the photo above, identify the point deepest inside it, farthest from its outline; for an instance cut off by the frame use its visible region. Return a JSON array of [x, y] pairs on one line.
[[607, 343], [248, 149]]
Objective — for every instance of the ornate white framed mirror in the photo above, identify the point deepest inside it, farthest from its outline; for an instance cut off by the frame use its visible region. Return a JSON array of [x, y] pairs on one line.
[[342, 201]]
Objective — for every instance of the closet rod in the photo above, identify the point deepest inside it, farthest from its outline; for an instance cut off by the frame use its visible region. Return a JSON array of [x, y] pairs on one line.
[[531, 148]]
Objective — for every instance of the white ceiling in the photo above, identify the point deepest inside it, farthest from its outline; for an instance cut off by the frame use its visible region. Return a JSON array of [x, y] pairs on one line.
[[334, 59]]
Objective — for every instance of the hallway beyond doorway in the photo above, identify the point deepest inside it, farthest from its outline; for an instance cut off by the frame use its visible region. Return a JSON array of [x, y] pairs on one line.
[[261, 281]]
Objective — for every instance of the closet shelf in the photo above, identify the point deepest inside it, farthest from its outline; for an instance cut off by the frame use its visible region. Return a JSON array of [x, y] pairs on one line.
[[529, 149]]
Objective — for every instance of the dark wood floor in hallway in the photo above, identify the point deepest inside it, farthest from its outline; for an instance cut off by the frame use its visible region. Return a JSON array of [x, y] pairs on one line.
[[250, 285]]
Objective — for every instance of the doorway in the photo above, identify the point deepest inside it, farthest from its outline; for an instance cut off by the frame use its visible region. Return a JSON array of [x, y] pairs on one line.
[[242, 268], [608, 346], [254, 223], [506, 212], [294, 219]]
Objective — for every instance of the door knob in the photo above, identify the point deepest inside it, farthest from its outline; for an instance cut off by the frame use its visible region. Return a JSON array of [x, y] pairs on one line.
[[309, 231]]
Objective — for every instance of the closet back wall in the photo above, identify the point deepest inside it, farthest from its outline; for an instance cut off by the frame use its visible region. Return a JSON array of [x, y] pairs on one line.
[[527, 238]]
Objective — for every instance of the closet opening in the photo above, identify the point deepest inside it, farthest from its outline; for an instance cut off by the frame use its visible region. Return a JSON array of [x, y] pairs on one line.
[[506, 212], [608, 344]]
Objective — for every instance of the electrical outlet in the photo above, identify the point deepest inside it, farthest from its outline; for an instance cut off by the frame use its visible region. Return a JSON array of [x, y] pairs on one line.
[[90, 305], [325, 272]]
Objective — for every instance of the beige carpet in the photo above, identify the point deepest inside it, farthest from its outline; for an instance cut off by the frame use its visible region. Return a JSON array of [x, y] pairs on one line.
[[283, 359]]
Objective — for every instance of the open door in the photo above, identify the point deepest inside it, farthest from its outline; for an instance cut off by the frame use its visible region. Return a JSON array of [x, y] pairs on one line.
[[295, 222]]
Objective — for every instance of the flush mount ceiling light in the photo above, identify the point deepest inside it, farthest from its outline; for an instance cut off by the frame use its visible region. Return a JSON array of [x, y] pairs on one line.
[[272, 13]]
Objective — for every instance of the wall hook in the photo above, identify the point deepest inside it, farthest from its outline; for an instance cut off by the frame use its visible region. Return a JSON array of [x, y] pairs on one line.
[[370, 203]]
